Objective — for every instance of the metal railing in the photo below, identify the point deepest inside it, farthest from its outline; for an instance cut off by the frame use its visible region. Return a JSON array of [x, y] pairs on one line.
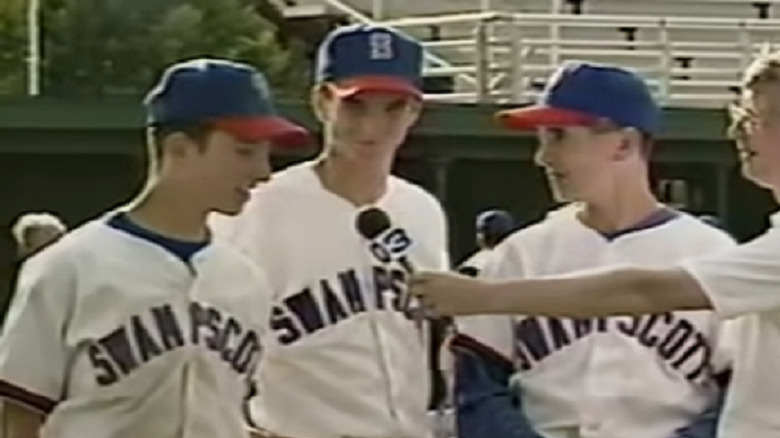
[[500, 57], [687, 61]]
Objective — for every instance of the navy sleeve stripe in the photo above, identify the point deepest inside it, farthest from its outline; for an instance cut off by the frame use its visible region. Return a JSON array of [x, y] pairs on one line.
[[471, 344], [26, 398]]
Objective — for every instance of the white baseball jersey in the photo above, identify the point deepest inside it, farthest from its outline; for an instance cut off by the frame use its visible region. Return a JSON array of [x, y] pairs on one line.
[[342, 360], [745, 282], [113, 336], [478, 260], [639, 377]]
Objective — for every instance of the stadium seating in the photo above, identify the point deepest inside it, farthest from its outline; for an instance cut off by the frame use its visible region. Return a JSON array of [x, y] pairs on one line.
[[691, 51]]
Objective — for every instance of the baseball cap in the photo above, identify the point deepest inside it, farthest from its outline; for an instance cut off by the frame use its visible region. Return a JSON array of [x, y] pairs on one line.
[[229, 96], [495, 222], [582, 93], [360, 57]]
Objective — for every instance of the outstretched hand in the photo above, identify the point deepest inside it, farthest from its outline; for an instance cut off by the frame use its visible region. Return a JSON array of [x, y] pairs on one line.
[[451, 294], [257, 433]]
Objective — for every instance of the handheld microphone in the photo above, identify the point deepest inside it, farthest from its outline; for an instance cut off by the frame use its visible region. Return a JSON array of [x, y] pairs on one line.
[[372, 222], [386, 244]]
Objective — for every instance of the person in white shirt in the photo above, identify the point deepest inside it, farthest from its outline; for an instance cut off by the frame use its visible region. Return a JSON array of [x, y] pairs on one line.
[[654, 376], [742, 283], [345, 358], [137, 324]]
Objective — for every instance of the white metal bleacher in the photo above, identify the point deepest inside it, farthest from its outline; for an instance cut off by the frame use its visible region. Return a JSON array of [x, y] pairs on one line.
[[692, 52]]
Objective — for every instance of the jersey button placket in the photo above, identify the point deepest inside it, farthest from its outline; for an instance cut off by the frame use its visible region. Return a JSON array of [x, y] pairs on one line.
[[593, 409], [376, 330], [190, 296]]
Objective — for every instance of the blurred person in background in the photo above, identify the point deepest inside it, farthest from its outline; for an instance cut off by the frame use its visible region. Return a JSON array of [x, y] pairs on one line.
[[31, 233], [34, 231]]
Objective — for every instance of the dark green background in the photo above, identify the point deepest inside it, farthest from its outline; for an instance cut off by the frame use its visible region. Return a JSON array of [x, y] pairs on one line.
[[77, 158]]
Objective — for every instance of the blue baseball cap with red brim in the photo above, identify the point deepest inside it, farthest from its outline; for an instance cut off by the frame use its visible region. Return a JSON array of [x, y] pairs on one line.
[[361, 58], [228, 96], [585, 94]]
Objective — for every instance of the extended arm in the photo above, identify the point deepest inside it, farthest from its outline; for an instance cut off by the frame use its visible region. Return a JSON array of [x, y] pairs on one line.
[[618, 292], [20, 422]]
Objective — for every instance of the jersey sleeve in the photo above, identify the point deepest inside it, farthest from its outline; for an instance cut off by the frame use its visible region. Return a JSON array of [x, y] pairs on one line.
[[254, 234], [726, 336], [743, 279], [33, 351], [439, 237], [504, 263], [725, 348], [235, 230]]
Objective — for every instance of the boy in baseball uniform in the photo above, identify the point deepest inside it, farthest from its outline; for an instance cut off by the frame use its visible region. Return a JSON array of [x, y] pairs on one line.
[[650, 376], [739, 282], [136, 324], [343, 358]]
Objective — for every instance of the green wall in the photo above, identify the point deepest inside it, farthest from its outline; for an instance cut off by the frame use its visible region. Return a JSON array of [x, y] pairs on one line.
[[77, 158]]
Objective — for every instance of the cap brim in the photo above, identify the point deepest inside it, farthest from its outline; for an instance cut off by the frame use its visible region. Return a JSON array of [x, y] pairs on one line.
[[274, 129], [376, 84], [539, 116]]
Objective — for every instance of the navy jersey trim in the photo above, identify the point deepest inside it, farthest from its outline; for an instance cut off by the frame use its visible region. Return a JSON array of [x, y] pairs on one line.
[[27, 398], [468, 270], [655, 219], [471, 344], [182, 249]]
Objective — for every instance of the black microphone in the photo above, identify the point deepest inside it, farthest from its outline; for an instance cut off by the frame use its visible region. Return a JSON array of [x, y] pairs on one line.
[[386, 243], [372, 222]]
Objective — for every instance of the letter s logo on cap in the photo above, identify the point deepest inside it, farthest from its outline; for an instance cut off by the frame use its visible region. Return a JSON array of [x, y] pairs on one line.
[[380, 45]]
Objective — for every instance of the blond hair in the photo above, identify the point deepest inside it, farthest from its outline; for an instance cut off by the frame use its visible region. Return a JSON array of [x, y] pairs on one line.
[[764, 70]]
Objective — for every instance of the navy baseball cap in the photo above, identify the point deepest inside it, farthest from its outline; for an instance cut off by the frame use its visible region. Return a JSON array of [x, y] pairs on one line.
[[360, 58], [226, 95], [581, 94], [495, 222]]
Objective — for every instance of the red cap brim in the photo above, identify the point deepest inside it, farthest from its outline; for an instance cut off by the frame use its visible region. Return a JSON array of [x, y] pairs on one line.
[[276, 130], [378, 84], [539, 116]]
